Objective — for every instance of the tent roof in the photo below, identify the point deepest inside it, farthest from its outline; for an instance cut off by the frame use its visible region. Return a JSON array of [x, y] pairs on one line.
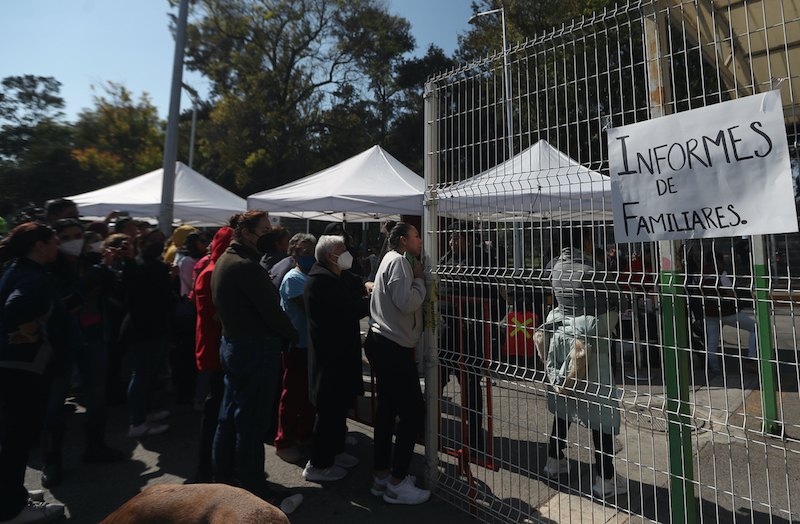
[[540, 183], [198, 201], [748, 44], [372, 185]]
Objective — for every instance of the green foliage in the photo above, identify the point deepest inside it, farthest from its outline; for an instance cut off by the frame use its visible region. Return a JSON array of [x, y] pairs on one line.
[[405, 140], [267, 62], [120, 138], [35, 146], [377, 42], [524, 19], [294, 84], [346, 129], [26, 101]]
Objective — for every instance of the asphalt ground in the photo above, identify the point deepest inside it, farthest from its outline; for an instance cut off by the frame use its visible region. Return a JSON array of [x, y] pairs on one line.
[[92, 491], [734, 463]]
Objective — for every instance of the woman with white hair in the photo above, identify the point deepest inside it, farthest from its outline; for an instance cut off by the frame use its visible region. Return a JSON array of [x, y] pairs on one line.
[[335, 300]]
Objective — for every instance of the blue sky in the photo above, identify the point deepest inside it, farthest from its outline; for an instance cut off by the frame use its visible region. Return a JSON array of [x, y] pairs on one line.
[[85, 42]]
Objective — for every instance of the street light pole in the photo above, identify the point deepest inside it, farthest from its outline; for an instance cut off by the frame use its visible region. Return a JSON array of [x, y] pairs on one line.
[[165, 216], [519, 260], [506, 75]]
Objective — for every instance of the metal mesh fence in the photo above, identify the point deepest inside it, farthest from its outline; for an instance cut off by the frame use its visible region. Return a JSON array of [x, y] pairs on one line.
[[685, 385]]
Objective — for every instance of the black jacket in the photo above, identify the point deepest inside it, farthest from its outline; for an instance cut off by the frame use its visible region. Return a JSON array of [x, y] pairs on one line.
[[334, 306], [248, 304], [148, 299], [26, 294]]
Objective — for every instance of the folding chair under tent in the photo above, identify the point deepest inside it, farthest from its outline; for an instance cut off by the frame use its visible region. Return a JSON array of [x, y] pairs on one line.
[[368, 187], [197, 201]]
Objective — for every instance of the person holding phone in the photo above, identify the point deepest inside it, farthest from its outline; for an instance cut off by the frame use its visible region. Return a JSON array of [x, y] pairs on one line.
[[395, 328]]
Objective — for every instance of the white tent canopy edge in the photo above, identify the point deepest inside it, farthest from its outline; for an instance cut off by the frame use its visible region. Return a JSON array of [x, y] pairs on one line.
[[367, 187], [198, 201]]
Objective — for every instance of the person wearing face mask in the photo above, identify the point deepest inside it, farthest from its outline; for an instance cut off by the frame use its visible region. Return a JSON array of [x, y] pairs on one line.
[[81, 280], [335, 300], [275, 246], [147, 284], [255, 331], [295, 412], [34, 329], [284, 265]]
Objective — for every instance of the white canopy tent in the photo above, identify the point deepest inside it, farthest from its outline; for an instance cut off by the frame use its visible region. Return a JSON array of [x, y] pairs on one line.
[[370, 186], [198, 201], [540, 183]]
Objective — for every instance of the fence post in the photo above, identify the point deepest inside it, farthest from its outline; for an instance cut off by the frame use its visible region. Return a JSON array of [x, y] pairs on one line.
[[676, 375], [430, 225], [673, 305], [769, 390]]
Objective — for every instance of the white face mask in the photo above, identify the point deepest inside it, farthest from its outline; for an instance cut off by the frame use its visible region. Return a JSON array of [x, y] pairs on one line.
[[97, 246], [72, 248], [345, 261]]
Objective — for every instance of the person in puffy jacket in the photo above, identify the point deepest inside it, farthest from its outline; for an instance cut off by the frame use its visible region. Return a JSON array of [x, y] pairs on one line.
[[574, 343]]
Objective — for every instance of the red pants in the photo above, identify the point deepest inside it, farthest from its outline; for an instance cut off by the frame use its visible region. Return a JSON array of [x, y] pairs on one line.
[[296, 413]]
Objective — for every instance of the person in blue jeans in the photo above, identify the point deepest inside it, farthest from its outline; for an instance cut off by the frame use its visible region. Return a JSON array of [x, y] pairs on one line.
[[255, 330]]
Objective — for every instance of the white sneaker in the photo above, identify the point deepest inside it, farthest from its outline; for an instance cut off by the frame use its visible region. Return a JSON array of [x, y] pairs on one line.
[[36, 494], [607, 487], [155, 416], [556, 467], [323, 475], [147, 429], [405, 493], [379, 486], [37, 511], [345, 460]]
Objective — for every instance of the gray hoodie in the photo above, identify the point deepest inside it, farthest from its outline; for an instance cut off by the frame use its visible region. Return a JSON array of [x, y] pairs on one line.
[[573, 284]]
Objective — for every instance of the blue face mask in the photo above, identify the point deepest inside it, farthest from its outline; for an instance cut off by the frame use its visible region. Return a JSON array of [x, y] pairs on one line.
[[306, 262]]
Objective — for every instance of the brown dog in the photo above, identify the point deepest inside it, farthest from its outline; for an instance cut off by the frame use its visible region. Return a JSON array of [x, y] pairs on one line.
[[195, 504]]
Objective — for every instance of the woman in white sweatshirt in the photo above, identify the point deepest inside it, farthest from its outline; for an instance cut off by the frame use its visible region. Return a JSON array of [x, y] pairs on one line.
[[395, 328]]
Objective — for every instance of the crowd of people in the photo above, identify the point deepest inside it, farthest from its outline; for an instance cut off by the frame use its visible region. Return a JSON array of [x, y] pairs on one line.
[[260, 331]]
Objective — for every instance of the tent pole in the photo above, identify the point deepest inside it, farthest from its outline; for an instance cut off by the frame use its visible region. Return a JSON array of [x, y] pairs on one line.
[[364, 230]]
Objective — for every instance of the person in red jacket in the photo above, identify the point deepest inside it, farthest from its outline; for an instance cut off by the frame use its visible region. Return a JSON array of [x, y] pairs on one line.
[[208, 336]]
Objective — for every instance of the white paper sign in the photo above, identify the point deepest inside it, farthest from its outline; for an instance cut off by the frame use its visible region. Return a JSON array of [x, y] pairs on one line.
[[722, 170]]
